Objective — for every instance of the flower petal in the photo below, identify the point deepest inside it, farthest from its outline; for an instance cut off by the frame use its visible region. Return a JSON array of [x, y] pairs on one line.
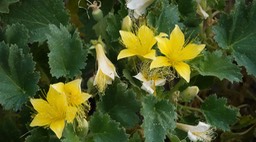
[[151, 54], [140, 77], [191, 51], [192, 137], [147, 86], [125, 53], [147, 38], [40, 105], [129, 40], [160, 82], [160, 61], [57, 127], [71, 114], [57, 100], [183, 69], [41, 119], [164, 45], [177, 38]]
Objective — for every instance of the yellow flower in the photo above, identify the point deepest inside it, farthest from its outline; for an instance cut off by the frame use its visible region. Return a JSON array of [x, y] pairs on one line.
[[176, 52], [106, 70], [53, 112], [139, 45], [73, 92]]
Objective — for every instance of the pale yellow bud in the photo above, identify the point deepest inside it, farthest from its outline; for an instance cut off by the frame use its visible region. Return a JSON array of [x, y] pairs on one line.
[[189, 93], [127, 23]]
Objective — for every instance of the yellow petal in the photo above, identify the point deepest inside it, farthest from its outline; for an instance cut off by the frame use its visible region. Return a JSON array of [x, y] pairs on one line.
[[71, 114], [183, 69], [147, 38], [41, 120], [57, 100], [160, 61], [59, 87], [150, 55], [191, 51], [40, 105], [177, 38], [57, 127], [164, 45], [129, 39], [125, 53]]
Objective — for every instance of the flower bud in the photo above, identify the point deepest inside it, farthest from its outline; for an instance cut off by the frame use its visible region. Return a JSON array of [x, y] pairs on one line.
[[97, 14], [189, 93], [83, 127], [127, 23]]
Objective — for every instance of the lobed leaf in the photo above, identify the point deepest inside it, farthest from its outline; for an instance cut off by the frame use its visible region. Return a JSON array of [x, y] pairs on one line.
[[103, 129], [120, 103], [17, 75], [67, 56], [159, 118], [4, 5], [217, 113], [36, 15], [218, 65], [237, 32]]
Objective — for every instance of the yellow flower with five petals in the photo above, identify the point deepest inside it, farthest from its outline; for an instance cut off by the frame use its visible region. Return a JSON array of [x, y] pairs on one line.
[[53, 112], [140, 44], [176, 52]]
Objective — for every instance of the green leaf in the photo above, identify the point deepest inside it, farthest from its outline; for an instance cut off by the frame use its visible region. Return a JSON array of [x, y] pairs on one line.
[[18, 79], [36, 15], [17, 34], [216, 64], [103, 129], [237, 33], [4, 5], [163, 16], [41, 135], [120, 103], [114, 25], [67, 55], [159, 118], [217, 113], [188, 13], [69, 134]]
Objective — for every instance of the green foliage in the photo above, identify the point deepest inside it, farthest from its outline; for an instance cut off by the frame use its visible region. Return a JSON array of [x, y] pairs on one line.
[[69, 134], [120, 103], [104, 129], [17, 75], [216, 64], [17, 34], [187, 9], [159, 118], [237, 32], [36, 15], [63, 46], [163, 16], [218, 114], [4, 5], [41, 135]]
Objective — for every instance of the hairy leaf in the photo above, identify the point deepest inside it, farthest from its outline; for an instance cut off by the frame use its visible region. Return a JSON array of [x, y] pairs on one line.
[[163, 16], [17, 34], [103, 129], [36, 15], [217, 113], [67, 55], [18, 78], [121, 105], [216, 64], [4, 5], [237, 33], [159, 118]]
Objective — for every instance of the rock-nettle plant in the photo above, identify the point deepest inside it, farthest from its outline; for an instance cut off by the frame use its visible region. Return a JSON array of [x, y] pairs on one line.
[[117, 70]]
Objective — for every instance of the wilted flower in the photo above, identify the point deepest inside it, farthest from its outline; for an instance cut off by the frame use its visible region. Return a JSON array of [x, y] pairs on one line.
[[139, 6], [53, 112], [140, 44], [106, 70], [176, 52], [201, 11], [149, 84], [201, 132]]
